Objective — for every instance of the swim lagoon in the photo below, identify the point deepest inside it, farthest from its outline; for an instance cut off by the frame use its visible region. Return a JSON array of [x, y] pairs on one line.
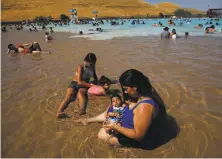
[[129, 30]]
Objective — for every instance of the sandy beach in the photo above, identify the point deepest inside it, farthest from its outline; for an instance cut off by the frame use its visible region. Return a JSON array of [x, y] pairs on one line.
[[186, 73]]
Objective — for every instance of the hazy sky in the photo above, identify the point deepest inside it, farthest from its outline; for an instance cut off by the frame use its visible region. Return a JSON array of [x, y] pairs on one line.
[[198, 4]]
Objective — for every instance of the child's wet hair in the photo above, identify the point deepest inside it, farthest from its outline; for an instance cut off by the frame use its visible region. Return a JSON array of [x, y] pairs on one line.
[[104, 80]]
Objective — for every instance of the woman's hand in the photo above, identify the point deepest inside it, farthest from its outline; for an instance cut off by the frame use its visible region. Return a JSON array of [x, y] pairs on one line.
[[110, 114], [109, 126]]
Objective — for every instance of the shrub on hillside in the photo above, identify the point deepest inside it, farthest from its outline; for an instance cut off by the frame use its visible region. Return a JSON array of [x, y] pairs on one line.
[[182, 13], [43, 19], [161, 15], [64, 17]]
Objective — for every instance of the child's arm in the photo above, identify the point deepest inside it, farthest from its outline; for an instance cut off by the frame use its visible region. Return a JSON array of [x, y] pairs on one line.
[[79, 75]]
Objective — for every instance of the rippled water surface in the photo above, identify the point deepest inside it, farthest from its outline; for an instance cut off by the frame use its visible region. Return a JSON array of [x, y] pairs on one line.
[[187, 73]]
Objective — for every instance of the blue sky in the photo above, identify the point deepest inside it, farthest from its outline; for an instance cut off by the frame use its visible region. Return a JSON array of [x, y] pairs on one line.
[[197, 4]]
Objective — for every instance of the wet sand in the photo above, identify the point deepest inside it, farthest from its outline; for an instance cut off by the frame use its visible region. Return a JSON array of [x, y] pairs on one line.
[[186, 73]]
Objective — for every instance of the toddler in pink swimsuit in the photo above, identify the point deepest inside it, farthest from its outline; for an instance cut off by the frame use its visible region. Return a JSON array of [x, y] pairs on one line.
[[102, 88]]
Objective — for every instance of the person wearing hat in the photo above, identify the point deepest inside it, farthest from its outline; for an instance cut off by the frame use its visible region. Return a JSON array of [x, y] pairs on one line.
[[165, 33]]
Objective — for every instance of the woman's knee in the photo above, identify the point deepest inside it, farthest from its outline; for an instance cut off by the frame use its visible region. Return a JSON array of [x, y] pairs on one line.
[[114, 141], [103, 135]]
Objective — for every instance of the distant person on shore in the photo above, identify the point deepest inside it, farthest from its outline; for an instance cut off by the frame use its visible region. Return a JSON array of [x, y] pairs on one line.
[[165, 34], [26, 48], [79, 86]]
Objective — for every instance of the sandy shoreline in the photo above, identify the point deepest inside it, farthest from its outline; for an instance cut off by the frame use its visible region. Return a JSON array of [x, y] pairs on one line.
[[187, 74]]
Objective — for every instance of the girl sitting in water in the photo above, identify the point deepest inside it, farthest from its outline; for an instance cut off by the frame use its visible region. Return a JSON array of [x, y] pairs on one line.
[[102, 88], [79, 85]]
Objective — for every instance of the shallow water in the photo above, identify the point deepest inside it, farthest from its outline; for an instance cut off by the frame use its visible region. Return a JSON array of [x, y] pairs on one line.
[[186, 73]]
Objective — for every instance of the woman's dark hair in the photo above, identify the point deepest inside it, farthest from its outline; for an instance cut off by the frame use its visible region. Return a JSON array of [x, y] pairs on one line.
[[134, 78], [103, 80], [12, 47], [116, 95], [90, 57]]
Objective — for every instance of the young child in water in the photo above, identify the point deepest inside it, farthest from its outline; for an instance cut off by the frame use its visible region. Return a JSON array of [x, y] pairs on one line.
[[102, 88], [113, 113], [116, 111]]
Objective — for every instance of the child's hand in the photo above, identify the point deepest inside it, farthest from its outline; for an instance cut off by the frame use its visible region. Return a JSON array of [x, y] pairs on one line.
[[116, 115]]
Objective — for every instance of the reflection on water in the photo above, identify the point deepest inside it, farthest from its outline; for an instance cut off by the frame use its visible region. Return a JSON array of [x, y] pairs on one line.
[[186, 73]]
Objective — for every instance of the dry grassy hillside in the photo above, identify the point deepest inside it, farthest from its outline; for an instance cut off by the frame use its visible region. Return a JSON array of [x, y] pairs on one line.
[[13, 10], [167, 7]]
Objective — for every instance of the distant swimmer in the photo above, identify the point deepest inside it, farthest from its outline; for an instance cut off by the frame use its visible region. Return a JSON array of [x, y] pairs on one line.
[[159, 24], [165, 34], [173, 34], [210, 30], [199, 26], [170, 22], [186, 34]]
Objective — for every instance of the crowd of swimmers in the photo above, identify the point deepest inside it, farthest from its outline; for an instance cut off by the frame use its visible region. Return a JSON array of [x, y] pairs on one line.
[[32, 26]]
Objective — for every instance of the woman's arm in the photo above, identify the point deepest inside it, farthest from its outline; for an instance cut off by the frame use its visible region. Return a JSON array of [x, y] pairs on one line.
[[79, 79], [141, 125]]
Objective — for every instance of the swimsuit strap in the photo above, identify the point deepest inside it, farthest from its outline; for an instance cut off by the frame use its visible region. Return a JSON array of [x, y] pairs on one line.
[[148, 101]]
